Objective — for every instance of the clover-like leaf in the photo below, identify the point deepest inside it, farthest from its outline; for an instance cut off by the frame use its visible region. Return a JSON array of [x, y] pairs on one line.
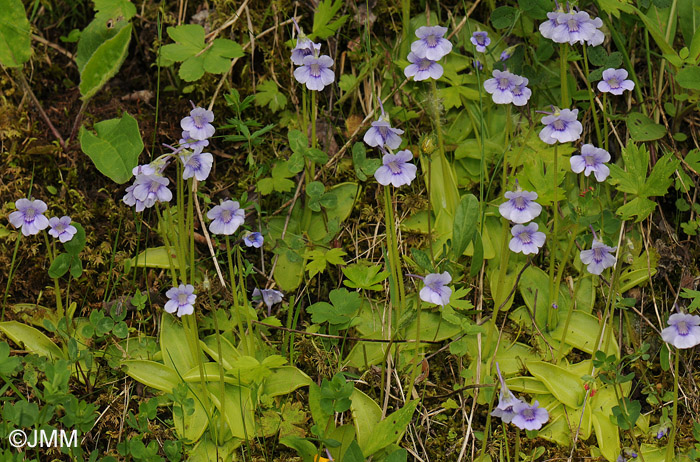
[[364, 276]]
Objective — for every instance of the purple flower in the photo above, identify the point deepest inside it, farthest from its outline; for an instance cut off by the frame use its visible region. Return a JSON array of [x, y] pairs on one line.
[[315, 72], [526, 239], [436, 290], [578, 27], [431, 44], [181, 300], [547, 27], [561, 126], [506, 88], [481, 40], [146, 169], [61, 228], [662, 431], [521, 206], [29, 216], [226, 218], [190, 143], [683, 330], [506, 401], [147, 190], [614, 81], [197, 164], [254, 240], [507, 53], [381, 134], [529, 417], [305, 47], [477, 64], [422, 68], [198, 123], [269, 297], [592, 159], [599, 257], [396, 170]]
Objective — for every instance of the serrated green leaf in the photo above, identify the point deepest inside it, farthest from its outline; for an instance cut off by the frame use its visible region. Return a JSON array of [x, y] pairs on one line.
[[189, 36], [104, 63], [324, 27], [269, 95], [116, 147], [217, 59], [334, 256], [364, 276], [15, 34]]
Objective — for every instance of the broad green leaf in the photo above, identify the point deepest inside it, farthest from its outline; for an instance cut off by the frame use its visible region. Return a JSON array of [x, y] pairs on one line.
[[8, 364], [689, 19], [15, 34], [33, 340], [151, 373], [176, 350], [366, 413], [155, 257], [60, 265], [116, 147], [217, 59], [389, 430], [607, 433], [284, 380], [642, 128], [465, 224], [689, 77], [503, 17], [238, 409], [104, 63], [354, 453], [564, 385], [655, 31], [108, 9], [303, 447], [77, 244]]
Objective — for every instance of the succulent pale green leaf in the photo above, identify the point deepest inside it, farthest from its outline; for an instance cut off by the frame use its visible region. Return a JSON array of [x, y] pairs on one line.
[[152, 374], [33, 339], [15, 34], [104, 63], [116, 147]]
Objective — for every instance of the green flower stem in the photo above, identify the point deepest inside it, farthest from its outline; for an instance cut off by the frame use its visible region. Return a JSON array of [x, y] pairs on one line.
[[189, 322], [166, 242], [563, 75], [672, 438], [9, 275], [222, 384], [553, 294], [181, 242], [517, 444], [234, 291], [246, 308], [605, 119], [190, 225], [57, 288], [393, 252], [414, 370], [591, 97], [557, 283], [405, 18]]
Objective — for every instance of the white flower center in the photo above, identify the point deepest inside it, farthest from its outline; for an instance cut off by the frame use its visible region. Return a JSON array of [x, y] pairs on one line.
[[559, 125], [226, 216], [29, 214], [525, 237], [198, 122], [573, 25], [503, 83], [614, 83], [589, 160], [682, 328], [598, 254], [520, 202], [394, 167], [528, 414], [315, 70], [182, 299], [424, 64], [431, 40]]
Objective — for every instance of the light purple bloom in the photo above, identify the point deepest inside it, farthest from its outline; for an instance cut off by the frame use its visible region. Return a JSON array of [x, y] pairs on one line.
[[382, 134], [592, 159], [431, 44], [304, 47], [397, 169], [198, 123], [663, 430], [683, 330], [315, 72], [507, 53], [576, 26], [269, 297], [146, 169], [599, 257], [147, 190], [529, 417], [526, 239], [481, 40], [226, 218], [61, 228], [477, 64], [181, 300], [506, 401], [436, 290], [197, 164], [29, 216], [561, 126], [188, 142], [422, 68], [547, 27], [506, 87], [615, 81], [520, 207], [254, 240]]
